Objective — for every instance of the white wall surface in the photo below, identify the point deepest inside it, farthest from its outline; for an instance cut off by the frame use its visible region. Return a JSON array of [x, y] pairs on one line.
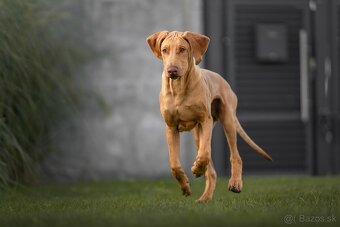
[[120, 133]]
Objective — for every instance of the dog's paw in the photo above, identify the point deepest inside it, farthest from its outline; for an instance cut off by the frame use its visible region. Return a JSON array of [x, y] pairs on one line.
[[186, 191], [200, 166], [204, 198], [235, 185]]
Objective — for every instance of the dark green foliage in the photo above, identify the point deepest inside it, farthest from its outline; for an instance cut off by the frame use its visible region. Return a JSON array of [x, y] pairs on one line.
[[39, 53]]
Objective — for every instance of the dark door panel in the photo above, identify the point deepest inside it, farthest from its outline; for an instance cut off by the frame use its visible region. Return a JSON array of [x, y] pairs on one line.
[[269, 92], [282, 59]]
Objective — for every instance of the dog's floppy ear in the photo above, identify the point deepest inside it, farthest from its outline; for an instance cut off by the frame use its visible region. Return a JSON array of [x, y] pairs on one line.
[[155, 40], [199, 44]]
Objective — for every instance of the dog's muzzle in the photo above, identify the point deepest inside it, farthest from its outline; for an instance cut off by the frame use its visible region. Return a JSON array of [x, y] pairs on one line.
[[173, 72]]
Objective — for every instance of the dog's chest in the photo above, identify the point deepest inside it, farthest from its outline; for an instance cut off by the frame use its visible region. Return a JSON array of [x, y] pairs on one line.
[[183, 115]]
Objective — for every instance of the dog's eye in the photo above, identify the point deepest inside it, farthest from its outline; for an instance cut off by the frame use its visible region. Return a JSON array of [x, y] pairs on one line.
[[182, 49], [164, 50]]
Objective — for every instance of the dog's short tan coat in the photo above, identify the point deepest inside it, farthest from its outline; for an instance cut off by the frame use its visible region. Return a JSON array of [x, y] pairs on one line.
[[192, 98]]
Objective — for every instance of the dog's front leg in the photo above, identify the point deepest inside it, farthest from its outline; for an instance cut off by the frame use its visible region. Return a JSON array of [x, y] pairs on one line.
[[204, 151], [172, 135]]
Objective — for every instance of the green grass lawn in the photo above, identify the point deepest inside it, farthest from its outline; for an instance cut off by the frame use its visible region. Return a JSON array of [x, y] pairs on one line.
[[265, 201]]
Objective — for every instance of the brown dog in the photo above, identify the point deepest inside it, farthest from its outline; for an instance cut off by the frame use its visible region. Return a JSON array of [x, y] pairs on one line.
[[192, 98]]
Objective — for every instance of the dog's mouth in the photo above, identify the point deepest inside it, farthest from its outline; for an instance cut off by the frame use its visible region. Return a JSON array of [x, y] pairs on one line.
[[174, 77]]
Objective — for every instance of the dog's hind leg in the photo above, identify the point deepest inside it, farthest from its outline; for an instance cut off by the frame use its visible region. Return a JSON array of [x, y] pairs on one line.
[[210, 183], [210, 173], [227, 118]]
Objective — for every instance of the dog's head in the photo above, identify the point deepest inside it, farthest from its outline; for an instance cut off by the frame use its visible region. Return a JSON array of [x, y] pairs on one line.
[[178, 50]]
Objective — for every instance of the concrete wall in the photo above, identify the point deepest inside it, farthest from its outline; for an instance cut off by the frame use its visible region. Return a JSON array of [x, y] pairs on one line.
[[120, 133]]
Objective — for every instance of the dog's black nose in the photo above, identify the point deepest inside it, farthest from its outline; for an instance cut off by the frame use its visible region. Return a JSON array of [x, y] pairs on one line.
[[172, 70]]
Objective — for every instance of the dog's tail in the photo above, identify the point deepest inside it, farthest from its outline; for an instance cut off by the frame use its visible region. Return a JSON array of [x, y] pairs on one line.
[[249, 141]]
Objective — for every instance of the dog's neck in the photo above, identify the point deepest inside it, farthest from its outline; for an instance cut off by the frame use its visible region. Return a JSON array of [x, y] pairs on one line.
[[179, 87]]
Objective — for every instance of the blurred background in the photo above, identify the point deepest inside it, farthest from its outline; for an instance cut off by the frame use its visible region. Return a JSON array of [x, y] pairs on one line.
[[79, 86]]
